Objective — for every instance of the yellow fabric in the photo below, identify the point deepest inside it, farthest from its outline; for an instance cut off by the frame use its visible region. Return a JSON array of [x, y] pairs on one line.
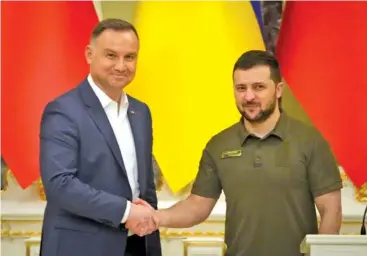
[[184, 74]]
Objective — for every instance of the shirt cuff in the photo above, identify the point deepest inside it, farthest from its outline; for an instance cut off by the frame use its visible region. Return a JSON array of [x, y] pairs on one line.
[[127, 212]]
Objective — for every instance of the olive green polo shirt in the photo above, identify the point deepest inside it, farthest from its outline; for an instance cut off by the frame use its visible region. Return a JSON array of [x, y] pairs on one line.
[[269, 184]]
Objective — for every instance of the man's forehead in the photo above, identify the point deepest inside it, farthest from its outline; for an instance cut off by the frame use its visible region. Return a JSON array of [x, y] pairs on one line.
[[258, 74], [256, 70]]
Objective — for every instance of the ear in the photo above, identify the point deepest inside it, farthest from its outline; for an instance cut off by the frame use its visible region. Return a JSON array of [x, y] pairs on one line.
[[88, 53], [279, 89]]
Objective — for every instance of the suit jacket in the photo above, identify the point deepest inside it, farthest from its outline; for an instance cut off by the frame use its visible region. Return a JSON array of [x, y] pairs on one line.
[[85, 180]]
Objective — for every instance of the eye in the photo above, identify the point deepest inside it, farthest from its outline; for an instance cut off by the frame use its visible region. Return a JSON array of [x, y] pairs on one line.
[[130, 57], [259, 87], [241, 88], [111, 55]]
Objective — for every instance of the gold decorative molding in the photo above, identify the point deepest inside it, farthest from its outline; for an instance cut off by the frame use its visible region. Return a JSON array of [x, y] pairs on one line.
[[19, 233], [187, 244], [165, 234], [8, 222], [6, 176], [41, 190], [8, 233], [360, 194], [29, 245]]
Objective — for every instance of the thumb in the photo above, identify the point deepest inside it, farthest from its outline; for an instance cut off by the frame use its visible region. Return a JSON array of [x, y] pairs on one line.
[[156, 220], [143, 203]]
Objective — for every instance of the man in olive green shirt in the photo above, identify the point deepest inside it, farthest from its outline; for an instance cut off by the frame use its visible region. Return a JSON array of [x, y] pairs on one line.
[[272, 168]]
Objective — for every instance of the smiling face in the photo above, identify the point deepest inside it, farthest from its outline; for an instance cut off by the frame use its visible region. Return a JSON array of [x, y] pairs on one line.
[[256, 94], [112, 57]]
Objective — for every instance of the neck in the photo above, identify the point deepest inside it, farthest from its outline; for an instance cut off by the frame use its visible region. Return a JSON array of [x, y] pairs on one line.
[[263, 128], [115, 95]]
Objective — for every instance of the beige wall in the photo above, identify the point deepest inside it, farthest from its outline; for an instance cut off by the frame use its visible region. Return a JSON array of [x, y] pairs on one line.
[[118, 9]]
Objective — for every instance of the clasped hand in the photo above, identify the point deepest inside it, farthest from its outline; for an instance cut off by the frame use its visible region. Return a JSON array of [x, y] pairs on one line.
[[142, 220]]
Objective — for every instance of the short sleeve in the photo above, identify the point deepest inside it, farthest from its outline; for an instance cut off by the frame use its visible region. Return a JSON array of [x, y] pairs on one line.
[[207, 183], [323, 171]]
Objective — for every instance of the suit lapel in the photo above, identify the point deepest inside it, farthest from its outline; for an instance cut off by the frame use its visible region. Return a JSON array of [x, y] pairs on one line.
[[99, 117], [137, 127]]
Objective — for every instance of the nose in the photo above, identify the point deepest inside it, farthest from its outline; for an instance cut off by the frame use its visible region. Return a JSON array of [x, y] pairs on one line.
[[120, 65], [249, 95]]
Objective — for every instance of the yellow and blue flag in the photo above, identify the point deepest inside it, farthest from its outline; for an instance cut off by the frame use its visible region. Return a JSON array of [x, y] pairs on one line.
[[188, 50]]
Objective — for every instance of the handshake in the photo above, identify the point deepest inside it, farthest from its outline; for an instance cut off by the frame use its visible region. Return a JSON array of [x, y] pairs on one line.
[[143, 218]]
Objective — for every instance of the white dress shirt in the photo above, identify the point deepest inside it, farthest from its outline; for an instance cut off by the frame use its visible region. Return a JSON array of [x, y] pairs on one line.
[[119, 121]]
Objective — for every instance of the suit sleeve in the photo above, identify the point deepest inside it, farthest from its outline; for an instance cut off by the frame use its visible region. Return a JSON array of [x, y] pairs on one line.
[[59, 154]]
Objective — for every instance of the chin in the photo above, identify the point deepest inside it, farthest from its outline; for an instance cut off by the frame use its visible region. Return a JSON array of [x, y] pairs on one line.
[[252, 117], [119, 84]]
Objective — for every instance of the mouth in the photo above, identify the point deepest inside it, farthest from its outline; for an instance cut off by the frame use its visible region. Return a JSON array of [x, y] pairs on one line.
[[251, 109], [251, 106], [119, 76]]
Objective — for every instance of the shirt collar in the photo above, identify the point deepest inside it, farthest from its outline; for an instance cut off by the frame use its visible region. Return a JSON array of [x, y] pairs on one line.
[[104, 98], [280, 129]]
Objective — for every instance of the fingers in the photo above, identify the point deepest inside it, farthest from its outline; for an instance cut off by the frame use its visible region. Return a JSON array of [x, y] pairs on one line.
[[142, 202], [143, 227], [140, 228], [142, 219], [139, 212]]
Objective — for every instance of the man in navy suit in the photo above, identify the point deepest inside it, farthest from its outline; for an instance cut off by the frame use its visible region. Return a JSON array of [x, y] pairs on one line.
[[96, 157]]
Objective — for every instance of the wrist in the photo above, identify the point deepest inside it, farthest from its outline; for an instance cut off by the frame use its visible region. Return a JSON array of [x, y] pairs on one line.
[[127, 212], [164, 218]]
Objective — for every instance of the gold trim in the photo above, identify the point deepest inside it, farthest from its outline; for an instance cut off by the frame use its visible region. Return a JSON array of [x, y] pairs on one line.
[[164, 234], [187, 244], [25, 221], [20, 233], [8, 233], [7, 177], [360, 194], [28, 246], [18, 221], [176, 234], [41, 190]]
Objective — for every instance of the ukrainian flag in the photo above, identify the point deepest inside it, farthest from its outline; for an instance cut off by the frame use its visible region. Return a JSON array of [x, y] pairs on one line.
[[184, 74]]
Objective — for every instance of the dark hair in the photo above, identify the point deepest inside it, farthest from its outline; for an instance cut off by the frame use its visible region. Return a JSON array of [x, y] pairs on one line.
[[114, 24], [254, 58]]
